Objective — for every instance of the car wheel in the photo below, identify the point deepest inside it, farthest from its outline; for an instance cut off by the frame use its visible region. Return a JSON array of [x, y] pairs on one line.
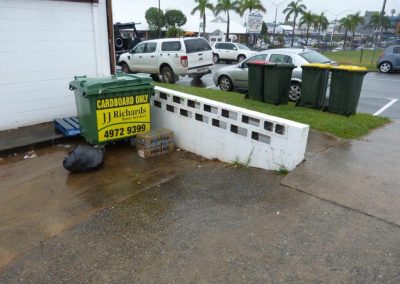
[[241, 57], [125, 68], [168, 75], [295, 91], [225, 83], [215, 58], [385, 67]]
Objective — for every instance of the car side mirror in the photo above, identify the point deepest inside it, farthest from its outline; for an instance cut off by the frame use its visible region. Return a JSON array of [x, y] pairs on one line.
[[234, 48]]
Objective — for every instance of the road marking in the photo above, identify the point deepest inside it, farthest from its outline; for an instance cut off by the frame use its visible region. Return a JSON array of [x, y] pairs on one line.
[[390, 80], [385, 107]]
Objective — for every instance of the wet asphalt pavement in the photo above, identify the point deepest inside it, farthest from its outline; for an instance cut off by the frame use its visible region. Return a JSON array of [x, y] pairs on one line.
[[184, 219], [379, 90]]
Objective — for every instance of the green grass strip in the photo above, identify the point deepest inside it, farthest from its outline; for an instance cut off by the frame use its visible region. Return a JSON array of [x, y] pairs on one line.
[[352, 57]]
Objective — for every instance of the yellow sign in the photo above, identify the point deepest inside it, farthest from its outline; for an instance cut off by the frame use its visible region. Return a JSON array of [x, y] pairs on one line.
[[122, 117]]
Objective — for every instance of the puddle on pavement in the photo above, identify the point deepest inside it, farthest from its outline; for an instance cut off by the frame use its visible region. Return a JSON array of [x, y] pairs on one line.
[[40, 199]]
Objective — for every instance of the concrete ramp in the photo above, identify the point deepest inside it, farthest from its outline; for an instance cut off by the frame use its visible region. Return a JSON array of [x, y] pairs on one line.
[[358, 174]]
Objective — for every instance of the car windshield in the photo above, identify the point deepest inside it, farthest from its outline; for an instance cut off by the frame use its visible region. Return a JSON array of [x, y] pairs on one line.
[[314, 57], [241, 46]]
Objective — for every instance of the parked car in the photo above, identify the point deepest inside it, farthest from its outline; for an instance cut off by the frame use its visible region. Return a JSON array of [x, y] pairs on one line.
[[390, 59], [236, 76], [169, 57], [231, 51]]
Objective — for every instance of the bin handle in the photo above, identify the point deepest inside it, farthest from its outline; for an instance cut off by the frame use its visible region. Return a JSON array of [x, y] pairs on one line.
[[80, 77], [72, 87]]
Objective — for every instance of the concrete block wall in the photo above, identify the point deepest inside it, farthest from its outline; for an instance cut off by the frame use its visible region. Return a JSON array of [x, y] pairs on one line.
[[228, 133], [43, 45]]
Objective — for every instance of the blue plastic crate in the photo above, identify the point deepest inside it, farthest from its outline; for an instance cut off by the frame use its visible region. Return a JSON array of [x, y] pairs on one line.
[[69, 126]]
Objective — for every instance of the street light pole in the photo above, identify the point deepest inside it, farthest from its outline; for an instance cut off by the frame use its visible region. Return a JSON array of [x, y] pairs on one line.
[[333, 31], [380, 31], [276, 11], [334, 23], [158, 21]]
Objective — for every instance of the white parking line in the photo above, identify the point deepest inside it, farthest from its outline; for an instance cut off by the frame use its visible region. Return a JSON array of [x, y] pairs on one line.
[[390, 80], [385, 107]]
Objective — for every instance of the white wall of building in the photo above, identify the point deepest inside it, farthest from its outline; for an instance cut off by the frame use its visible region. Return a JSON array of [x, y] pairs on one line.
[[43, 45]]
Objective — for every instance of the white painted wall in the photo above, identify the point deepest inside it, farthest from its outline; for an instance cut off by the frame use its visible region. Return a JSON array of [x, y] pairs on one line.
[[43, 45], [281, 144]]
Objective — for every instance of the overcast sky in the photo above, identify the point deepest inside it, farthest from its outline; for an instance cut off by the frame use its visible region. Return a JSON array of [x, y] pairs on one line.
[[133, 10]]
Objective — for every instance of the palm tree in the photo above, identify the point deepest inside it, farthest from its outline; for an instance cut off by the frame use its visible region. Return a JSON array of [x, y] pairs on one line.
[[356, 20], [374, 21], [347, 24], [393, 12], [250, 5], [322, 24], [202, 6], [307, 19], [294, 8], [226, 6]]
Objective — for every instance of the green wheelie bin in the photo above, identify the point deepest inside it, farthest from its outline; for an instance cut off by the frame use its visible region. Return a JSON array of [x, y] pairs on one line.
[[277, 79], [314, 81], [256, 79], [114, 107], [345, 89]]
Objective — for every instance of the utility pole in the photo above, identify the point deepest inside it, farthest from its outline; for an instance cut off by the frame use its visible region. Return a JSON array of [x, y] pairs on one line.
[[334, 23], [276, 11], [380, 31], [158, 21]]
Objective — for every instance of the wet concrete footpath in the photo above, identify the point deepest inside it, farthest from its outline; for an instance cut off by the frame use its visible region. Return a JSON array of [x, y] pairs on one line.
[[184, 219]]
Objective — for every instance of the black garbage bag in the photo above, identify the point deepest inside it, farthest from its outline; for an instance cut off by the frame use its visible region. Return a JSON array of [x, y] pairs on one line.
[[84, 158]]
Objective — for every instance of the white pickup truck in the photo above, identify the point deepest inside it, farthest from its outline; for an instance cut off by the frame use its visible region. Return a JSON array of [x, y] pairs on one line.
[[170, 57]]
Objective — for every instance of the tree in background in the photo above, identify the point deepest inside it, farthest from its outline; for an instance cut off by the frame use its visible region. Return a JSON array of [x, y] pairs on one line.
[[226, 6], [250, 5], [307, 19], [174, 19], [393, 12], [174, 31], [294, 8], [202, 6], [347, 24], [152, 19], [374, 21], [264, 32], [356, 19], [322, 24]]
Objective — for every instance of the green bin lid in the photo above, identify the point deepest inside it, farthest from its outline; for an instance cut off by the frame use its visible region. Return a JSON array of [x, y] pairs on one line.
[[116, 83], [317, 65], [350, 68]]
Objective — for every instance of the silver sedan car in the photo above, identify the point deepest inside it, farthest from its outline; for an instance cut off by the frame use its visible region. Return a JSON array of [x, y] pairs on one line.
[[236, 76]]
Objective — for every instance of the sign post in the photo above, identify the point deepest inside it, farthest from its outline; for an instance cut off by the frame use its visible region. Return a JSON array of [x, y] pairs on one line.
[[254, 25]]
